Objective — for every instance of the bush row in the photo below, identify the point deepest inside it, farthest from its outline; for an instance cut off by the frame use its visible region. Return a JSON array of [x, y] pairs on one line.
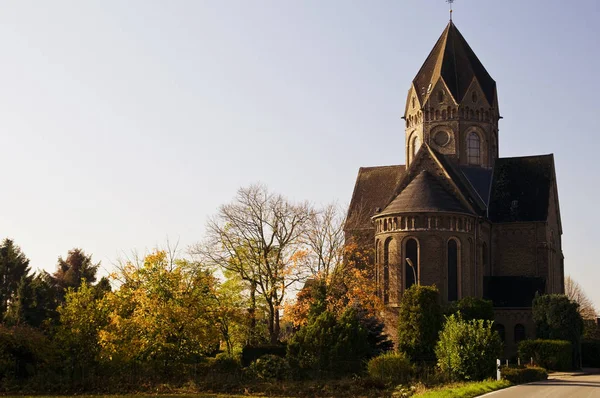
[[550, 354], [524, 375], [590, 353]]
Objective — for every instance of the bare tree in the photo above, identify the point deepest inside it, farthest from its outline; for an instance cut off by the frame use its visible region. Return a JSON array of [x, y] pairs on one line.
[[257, 236], [324, 238], [574, 292]]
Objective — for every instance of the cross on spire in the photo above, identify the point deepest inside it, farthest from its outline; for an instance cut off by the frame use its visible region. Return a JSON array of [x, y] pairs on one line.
[[450, 2]]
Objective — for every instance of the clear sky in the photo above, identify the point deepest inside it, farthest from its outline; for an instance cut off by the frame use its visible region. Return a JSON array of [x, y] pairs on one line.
[[126, 122]]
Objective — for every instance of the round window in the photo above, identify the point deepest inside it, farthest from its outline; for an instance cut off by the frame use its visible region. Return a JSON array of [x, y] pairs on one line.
[[441, 138]]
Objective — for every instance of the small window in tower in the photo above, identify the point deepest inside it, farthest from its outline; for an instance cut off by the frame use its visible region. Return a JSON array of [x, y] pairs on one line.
[[414, 102], [441, 95], [473, 149], [474, 96], [441, 138]]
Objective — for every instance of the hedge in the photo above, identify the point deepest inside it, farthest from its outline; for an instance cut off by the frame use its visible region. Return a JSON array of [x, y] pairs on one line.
[[391, 369], [590, 353], [524, 375], [252, 353], [549, 354]]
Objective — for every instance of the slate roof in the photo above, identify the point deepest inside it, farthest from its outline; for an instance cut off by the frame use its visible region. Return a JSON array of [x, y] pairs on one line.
[[373, 190], [521, 188], [424, 194], [480, 179], [453, 59]]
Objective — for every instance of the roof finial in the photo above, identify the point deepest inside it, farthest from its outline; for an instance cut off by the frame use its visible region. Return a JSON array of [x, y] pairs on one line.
[[450, 2]]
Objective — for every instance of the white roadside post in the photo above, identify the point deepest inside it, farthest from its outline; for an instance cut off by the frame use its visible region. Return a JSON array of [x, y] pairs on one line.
[[498, 375]]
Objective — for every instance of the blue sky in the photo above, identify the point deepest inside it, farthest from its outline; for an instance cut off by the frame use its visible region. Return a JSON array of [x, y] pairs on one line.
[[124, 123]]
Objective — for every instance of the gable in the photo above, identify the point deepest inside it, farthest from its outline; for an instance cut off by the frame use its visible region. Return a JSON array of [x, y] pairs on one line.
[[521, 188]]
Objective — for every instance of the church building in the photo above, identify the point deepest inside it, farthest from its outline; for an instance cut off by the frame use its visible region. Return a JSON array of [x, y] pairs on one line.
[[457, 215]]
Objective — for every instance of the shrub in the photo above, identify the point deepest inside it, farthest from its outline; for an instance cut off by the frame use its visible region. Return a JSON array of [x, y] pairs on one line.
[[557, 318], [252, 353], [271, 367], [524, 375], [390, 369], [550, 354], [328, 344], [467, 350], [590, 353], [419, 322], [224, 363], [24, 352], [472, 308]]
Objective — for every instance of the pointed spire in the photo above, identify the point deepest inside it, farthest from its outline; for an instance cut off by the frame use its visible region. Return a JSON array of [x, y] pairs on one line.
[[453, 60]]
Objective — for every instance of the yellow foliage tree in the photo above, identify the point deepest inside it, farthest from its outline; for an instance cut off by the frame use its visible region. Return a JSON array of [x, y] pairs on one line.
[[165, 310]]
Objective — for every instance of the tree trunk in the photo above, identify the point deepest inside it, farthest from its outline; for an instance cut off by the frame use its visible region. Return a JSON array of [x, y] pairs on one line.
[[252, 313], [273, 333], [277, 326]]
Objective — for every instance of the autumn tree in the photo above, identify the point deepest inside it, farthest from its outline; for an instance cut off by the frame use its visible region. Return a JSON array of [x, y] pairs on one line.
[[71, 271], [349, 284], [258, 237], [164, 311], [14, 266], [575, 292]]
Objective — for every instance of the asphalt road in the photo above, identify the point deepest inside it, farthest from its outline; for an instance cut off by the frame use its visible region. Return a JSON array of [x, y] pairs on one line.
[[563, 386]]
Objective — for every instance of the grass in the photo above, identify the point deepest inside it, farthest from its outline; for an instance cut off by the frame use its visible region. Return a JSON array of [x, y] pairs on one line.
[[465, 390], [132, 396]]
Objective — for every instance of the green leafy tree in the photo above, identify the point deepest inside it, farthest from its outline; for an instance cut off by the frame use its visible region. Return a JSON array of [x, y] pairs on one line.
[[419, 322], [82, 316], [467, 350], [558, 318], [231, 312], [13, 267]]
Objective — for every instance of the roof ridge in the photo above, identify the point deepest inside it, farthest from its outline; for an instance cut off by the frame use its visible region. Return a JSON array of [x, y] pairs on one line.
[[527, 156]]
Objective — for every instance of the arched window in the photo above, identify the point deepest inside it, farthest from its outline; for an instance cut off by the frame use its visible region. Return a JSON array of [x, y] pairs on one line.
[[474, 149], [411, 270], [386, 272], [519, 333], [452, 270], [484, 260], [499, 328], [416, 145]]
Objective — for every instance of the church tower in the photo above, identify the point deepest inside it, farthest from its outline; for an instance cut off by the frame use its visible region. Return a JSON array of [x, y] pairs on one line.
[[458, 216], [452, 105]]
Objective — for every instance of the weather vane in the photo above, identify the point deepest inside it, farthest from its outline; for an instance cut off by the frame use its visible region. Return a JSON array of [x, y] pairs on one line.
[[450, 2]]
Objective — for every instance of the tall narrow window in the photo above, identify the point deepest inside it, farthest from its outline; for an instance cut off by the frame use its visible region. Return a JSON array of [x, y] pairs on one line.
[[452, 270], [386, 272], [474, 149], [484, 260], [411, 267], [519, 333]]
